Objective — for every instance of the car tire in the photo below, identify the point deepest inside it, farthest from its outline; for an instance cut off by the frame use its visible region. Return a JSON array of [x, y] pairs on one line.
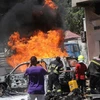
[[2, 90]]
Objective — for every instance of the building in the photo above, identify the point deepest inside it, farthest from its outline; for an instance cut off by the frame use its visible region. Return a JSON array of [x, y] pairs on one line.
[[92, 16], [71, 37]]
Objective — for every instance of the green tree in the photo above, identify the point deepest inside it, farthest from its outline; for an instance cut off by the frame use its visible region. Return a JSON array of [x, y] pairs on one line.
[[72, 17]]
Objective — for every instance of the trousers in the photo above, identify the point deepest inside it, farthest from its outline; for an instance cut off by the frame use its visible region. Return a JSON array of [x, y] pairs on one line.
[[94, 82], [53, 79], [82, 85]]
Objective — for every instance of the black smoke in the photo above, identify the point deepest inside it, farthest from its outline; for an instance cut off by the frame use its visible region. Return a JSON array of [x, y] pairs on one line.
[[27, 16]]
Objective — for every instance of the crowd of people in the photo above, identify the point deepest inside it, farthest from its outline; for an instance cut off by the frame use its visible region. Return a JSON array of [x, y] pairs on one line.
[[78, 71]]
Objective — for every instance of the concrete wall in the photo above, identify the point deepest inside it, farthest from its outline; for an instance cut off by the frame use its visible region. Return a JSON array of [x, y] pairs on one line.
[[74, 2], [93, 35], [92, 29], [83, 48], [89, 35]]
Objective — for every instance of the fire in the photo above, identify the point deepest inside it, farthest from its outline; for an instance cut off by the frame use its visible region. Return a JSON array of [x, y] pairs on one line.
[[51, 4], [40, 44]]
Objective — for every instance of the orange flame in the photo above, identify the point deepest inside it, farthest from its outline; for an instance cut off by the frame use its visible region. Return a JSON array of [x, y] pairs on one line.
[[41, 45], [51, 4]]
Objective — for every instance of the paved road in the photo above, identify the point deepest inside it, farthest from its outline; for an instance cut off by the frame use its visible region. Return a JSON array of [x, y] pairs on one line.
[[24, 97], [20, 97]]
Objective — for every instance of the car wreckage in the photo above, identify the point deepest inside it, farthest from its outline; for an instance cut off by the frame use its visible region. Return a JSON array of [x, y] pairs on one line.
[[15, 80]]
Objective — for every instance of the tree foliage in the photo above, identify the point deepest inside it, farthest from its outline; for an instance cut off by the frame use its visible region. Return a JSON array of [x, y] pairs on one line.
[[72, 16]]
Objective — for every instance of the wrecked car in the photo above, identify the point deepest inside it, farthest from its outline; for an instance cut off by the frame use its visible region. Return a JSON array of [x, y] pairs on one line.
[[15, 80]]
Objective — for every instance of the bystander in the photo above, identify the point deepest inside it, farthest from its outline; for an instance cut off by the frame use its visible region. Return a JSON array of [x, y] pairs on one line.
[[36, 80]]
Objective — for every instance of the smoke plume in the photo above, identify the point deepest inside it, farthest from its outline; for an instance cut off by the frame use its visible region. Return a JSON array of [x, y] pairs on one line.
[[28, 16]]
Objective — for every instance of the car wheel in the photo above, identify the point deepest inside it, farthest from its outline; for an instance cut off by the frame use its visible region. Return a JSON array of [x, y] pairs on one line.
[[2, 89]]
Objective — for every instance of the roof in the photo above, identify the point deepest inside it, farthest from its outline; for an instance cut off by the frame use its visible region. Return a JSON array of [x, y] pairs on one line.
[[83, 3], [70, 43], [71, 35]]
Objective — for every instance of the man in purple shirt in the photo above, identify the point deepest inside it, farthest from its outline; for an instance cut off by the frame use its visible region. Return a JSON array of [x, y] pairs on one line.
[[36, 80]]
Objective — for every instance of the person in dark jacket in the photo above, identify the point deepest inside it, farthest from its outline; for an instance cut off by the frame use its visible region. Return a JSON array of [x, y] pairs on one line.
[[93, 73], [53, 78]]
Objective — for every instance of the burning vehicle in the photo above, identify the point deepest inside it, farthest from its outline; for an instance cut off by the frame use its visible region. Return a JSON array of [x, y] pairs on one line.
[[15, 80], [31, 27]]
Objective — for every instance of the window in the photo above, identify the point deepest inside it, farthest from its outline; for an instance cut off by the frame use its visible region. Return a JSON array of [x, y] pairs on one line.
[[67, 47], [72, 48], [76, 48]]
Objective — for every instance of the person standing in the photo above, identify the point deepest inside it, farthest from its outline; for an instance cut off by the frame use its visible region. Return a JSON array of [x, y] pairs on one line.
[[53, 77], [80, 70], [36, 80], [72, 68], [93, 73]]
